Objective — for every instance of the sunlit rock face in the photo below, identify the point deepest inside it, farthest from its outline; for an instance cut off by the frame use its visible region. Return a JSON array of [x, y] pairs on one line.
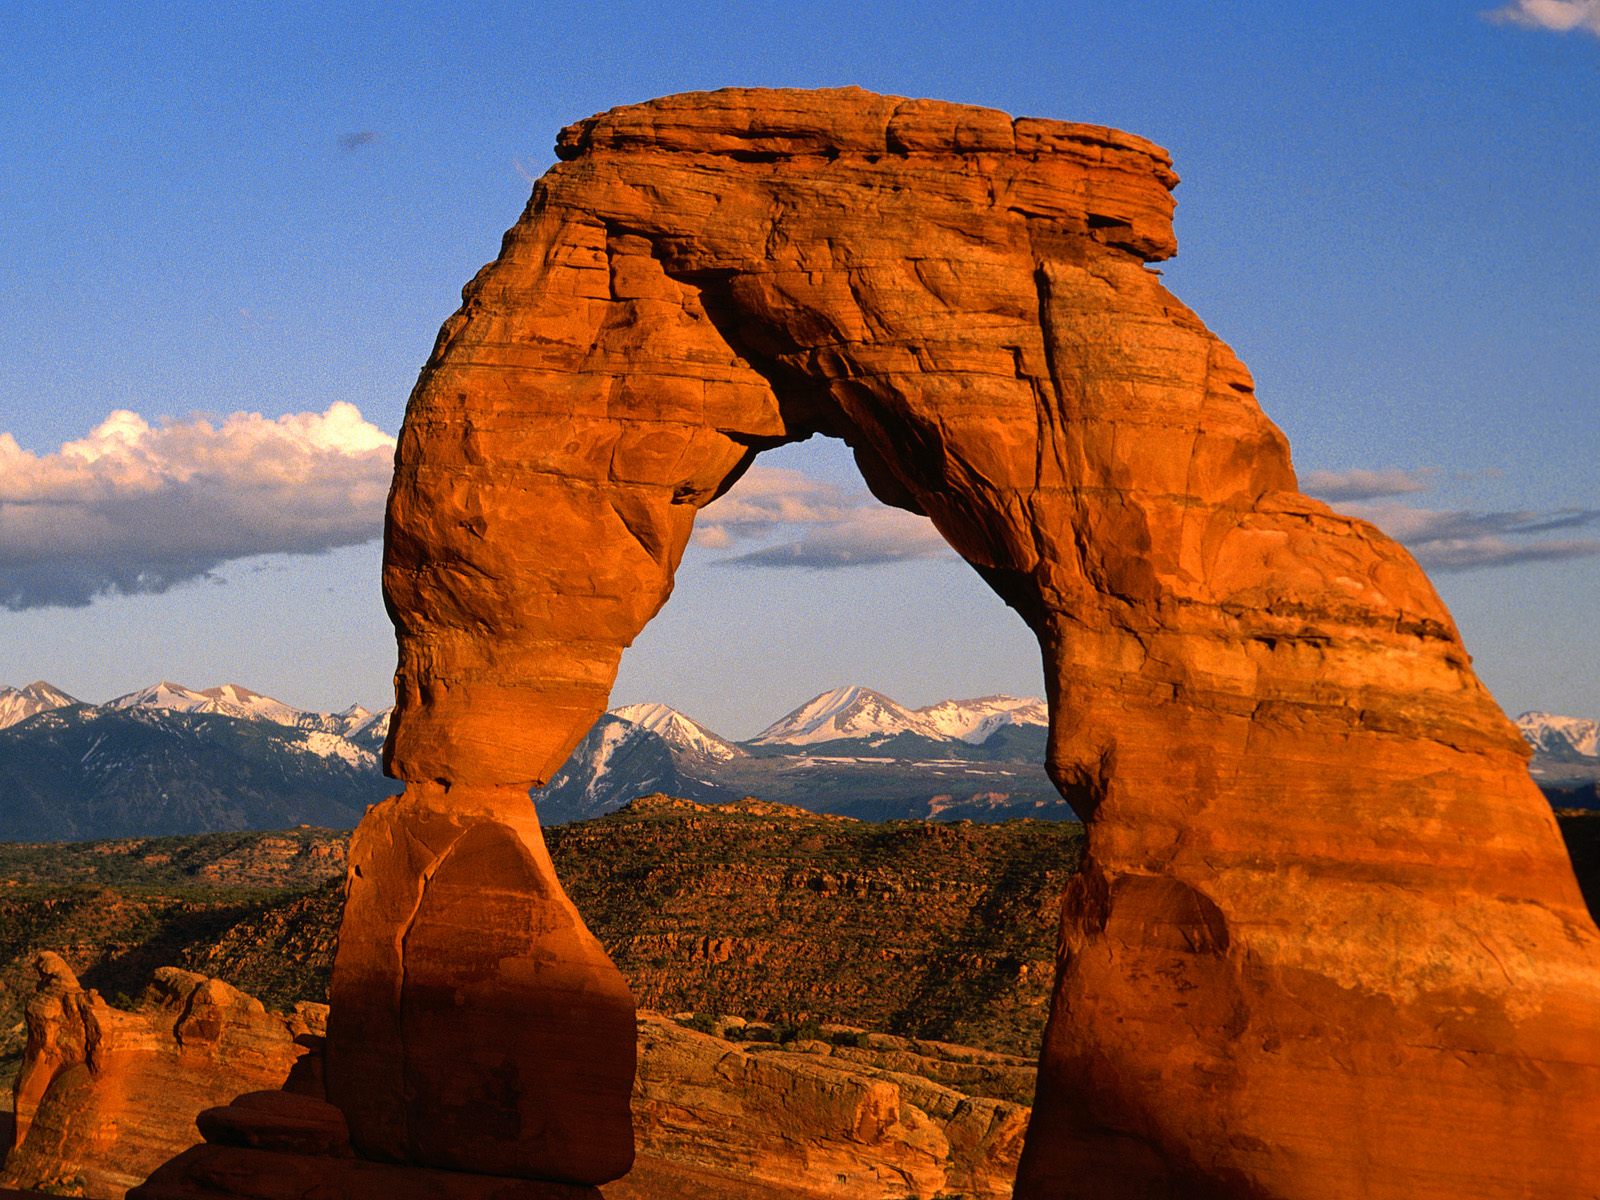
[[1326, 942]]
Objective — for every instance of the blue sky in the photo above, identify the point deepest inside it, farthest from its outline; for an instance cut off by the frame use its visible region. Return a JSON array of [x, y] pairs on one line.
[[1389, 210]]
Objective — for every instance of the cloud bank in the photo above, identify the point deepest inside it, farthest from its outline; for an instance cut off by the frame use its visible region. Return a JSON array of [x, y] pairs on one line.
[[139, 508], [776, 517], [1559, 16], [816, 525], [1454, 539]]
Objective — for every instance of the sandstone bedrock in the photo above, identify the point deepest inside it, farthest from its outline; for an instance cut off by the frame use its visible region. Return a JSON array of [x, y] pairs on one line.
[[1325, 941]]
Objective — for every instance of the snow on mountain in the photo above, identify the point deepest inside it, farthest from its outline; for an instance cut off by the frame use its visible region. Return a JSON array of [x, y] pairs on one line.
[[616, 761], [1552, 734], [18, 704], [331, 745], [171, 696], [677, 729], [353, 718], [229, 700], [239, 702], [365, 728], [845, 712], [232, 700], [975, 721], [609, 740]]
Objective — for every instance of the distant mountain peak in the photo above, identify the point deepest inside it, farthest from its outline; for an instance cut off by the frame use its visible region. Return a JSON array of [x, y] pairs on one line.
[[164, 694], [845, 713], [855, 712], [18, 704], [976, 720], [677, 729], [1559, 735], [232, 691]]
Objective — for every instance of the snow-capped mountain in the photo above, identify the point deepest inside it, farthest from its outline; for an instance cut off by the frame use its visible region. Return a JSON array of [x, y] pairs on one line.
[[845, 713], [618, 760], [677, 730], [1561, 736], [975, 721], [235, 700], [85, 771], [367, 729], [18, 704], [850, 750], [173, 759], [857, 713]]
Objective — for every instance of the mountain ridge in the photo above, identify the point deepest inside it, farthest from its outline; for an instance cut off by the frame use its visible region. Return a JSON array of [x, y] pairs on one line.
[[166, 758]]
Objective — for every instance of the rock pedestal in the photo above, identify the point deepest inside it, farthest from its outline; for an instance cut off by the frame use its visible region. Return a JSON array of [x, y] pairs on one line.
[[1326, 942], [476, 1024]]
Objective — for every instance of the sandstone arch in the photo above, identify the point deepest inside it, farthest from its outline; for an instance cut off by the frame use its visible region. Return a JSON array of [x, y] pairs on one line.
[[1326, 942]]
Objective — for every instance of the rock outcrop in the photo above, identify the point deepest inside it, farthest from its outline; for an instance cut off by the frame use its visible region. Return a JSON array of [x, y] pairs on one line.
[[858, 1116], [106, 1095], [1325, 942], [813, 1121]]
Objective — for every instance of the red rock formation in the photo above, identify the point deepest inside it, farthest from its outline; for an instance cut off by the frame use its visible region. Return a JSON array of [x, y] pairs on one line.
[[810, 1121], [880, 1117], [105, 1095], [478, 1025], [1326, 942]]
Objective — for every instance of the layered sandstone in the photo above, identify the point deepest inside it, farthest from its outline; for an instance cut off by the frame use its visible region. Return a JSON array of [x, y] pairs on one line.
[[1325, 942], [477, 1023], [856, 1116], [107, 1095], [815, 1121]]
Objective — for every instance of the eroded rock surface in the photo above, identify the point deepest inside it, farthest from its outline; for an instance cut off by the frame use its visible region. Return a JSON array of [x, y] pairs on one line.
[[477, 1024], [815, 1121], [107, 1095], [858, 1116], [1325, 942]]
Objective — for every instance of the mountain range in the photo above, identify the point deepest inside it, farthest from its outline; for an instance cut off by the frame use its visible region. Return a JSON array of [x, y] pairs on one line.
[[850, 751], [173, 759], [1566, 757]]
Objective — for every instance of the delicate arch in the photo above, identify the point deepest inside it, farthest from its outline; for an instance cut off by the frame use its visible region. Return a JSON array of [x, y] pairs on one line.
[[1293, 964]]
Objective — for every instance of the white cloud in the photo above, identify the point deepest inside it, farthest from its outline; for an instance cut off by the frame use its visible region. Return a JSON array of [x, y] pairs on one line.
[[776, 517], [816, 524], [135, 507], [1365, 484], [1460, 540], [767, 497], [1559, 16], [866, 537]]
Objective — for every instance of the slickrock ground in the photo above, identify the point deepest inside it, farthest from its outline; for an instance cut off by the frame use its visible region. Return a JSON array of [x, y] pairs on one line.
[[1289, 918], [810, 1119], [107, 1096]]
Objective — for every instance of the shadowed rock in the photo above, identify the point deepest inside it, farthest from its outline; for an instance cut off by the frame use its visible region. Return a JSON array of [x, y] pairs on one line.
[[480, 1025], [106, 1095], [1325, 942]]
